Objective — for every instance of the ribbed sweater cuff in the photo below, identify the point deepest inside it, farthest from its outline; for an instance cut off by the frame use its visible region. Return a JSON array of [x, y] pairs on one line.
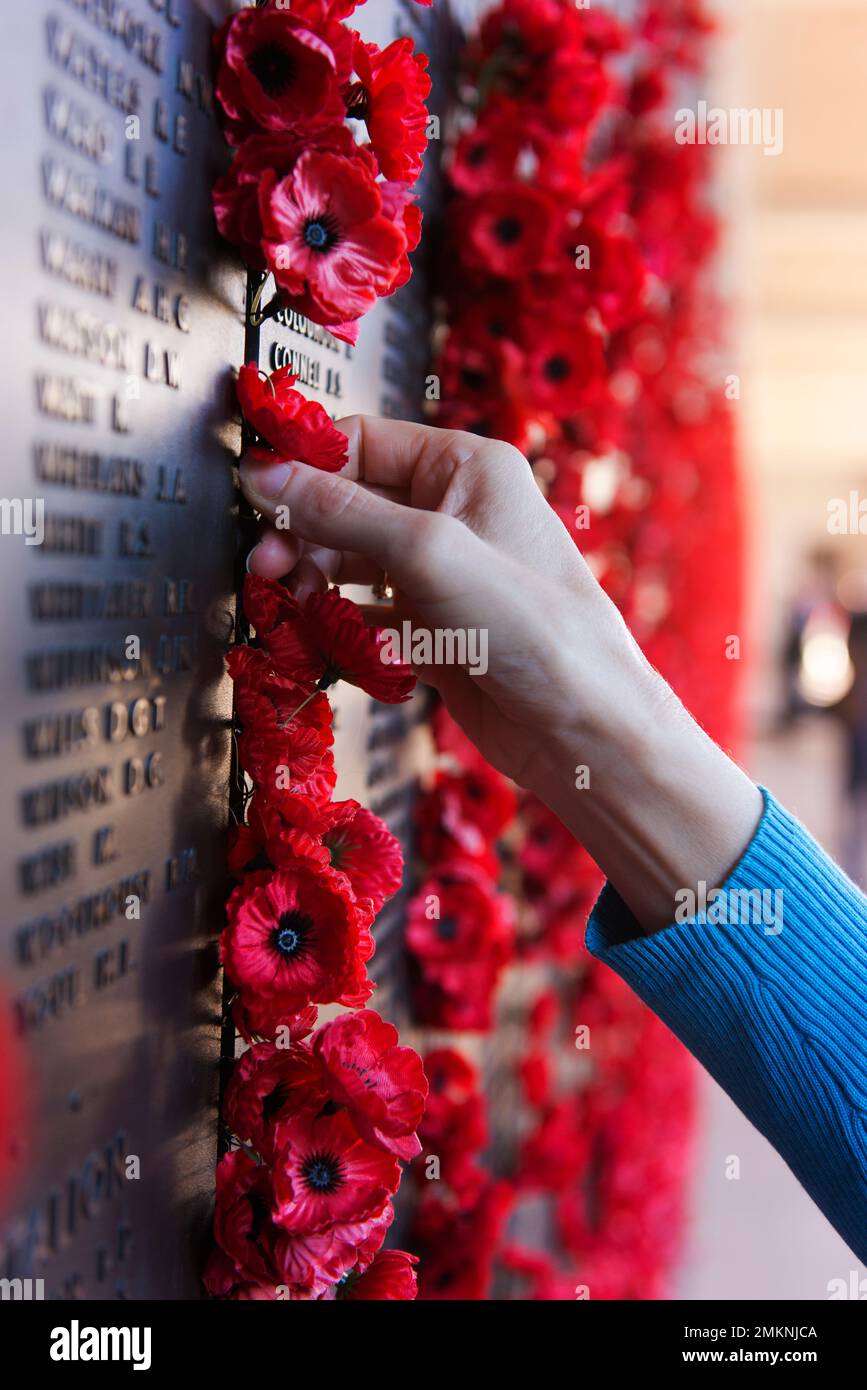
[[771, 999]]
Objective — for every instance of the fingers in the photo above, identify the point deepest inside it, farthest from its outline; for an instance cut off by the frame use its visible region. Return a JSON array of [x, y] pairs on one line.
[[396, 453], [485, 483], [332, 511], [279, 553]]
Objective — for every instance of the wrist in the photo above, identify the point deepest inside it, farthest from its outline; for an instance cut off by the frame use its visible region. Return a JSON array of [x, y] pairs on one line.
[[654, 800]]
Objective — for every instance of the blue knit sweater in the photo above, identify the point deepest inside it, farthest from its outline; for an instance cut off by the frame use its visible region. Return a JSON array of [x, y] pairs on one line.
[[774, 1007]]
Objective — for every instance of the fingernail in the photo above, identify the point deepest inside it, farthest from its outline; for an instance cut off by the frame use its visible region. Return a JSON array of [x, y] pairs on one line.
[[267, 479], [249, 558]]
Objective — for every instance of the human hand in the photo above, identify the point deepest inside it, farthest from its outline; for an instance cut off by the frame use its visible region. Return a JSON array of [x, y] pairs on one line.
[[468, 543]]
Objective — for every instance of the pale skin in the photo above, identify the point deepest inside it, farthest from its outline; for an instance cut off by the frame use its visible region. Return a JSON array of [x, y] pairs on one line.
[[468, 541]]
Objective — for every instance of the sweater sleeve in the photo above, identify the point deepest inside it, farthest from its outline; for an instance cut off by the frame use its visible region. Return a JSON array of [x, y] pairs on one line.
[[767, 986]]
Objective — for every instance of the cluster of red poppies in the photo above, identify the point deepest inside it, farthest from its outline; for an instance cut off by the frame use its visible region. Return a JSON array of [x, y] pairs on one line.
[[331, 218], [580, 325], [318, 1125], [609, 1100], [304, 1201], [460, 931], [461, 1213]]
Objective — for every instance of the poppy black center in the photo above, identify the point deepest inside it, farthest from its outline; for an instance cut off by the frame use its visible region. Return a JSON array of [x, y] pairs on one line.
[[557, 368], [292, 934], [473, 380], [273, 1103], [260, 1216], [322, 1172], [273, 67], [508, 230], [447, 928], [339, 847], [320, 233], [331, 674], [358, 102]]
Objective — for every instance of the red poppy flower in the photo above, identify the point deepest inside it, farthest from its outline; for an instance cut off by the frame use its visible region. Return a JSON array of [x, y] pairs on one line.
[[276, 74], [340, 836], [258, 1259], [486, 155], [257, 1017], [566, 368], [544, 1014], [267, 602], [236, 193], [330, 1256], [268, 1085], [509, 232], [292, 834], [510, 144], [355, 844], [328, 640], [554, 1156], [291, 426], [287, 738], [285, 763], [332, 249], [298, 937], [481, 797], [398, 203], [461, 934], [327, 1174], [455, 1120], [481, 385], [362, 847], [390, 1276], [613, 280], [554, 865], [382, 1085], [457, 1245], [542, 55], [536, 1077], [244, 1227], [389, 97]]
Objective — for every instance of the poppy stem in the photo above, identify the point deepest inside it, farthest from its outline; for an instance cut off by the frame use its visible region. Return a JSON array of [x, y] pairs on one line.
[[296, 712]]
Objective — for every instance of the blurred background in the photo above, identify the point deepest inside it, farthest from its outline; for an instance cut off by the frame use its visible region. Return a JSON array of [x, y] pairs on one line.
[[798, 279]]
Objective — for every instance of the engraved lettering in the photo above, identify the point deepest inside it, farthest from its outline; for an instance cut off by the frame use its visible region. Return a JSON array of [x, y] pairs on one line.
[[78, 265], [82, 196]]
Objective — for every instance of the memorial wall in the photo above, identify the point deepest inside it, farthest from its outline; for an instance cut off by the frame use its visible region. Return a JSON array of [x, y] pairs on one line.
[[125, 325]]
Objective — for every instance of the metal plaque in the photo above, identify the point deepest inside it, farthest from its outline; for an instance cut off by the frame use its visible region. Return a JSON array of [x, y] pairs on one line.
[[123, 327]]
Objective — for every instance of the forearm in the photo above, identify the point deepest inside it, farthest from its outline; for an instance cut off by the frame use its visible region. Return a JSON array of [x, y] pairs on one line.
[[763, 982], [660, 808]]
